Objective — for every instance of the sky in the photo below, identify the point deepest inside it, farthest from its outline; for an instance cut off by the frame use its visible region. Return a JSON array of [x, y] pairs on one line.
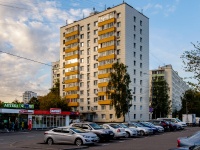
[[30, 34]]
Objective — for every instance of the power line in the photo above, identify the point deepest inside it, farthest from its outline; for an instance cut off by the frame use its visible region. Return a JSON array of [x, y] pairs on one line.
[[26, 58]]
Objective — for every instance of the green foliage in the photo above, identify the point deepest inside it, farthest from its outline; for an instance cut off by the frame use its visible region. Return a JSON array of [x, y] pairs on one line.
[[53, 100], [1, 104], [191, 102], [191, 61], [118, 88], [160, 99], [35, 102]]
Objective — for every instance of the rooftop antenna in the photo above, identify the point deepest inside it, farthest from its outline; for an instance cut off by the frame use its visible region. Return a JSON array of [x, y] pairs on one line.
[[142, 11], [105, 7], [83, 16], [66, 22], [94, 9], [123, 1]]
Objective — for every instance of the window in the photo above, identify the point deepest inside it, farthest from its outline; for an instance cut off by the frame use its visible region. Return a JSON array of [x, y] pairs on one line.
[[88, 43], [95, 23], [141, 99], [118, 15], [95, 48], [95, 99], [134, 80], [81, 44], [140, 31], [140, 56], [134, 116], [63, 41], [140, 48], [95, 107], [95, 91], [81, 68], [81, 108], [134, 98], [95, 65], [118, 24], [118, 52], [134, 45], [82, 36], [134, 63], [103, 116], [95, 57], [140, 39], [140, 116], [103, 107], [140, 65], [81, 28], [81, 60], [140, 90], [88, 26], [140, 22], [95, 40], [95, 74], [81, 76], [95, 32], [95, 82], [111, 116], [81, 92], [134, 107], [134, 19], [134, 36], [118, 33], [134, 72], [63, 49], [140, 82], [81, 84], [134, 27], [81, 52], [140, 107], [111, 107], [134, 54], [118, 42], [81, 100]]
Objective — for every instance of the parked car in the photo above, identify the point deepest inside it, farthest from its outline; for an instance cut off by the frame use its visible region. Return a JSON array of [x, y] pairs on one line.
[[119, 132], [143, 130], [160, 128], [162, 123], [174, 120], [130, 132], [189, 141], [103, 134], [195, 147], [71, 135], [155, 130]]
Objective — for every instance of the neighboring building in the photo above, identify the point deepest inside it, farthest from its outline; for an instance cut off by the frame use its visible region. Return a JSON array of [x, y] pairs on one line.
[[55, 74], [27, 95], [90, 46], [177, 86]]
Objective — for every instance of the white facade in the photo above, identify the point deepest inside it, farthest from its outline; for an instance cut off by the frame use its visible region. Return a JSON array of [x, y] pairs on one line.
[[90, 46], [27, 95], [55, 74], [176, 84]]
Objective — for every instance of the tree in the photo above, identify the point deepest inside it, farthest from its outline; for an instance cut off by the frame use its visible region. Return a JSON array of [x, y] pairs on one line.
[[53, 100], [191, 102], [118, 89], [191, 60], [160, 97], [17, 102], [35, 102], [1, 104]]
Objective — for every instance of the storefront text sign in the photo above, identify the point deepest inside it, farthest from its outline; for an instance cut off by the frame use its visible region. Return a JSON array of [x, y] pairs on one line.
[[24, 111], [18, 106], [55, 111]]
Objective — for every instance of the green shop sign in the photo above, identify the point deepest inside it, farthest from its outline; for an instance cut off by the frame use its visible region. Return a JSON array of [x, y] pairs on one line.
[[18, 106]]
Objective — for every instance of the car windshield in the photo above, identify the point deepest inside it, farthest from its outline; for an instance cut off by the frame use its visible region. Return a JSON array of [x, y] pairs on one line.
[[95, 126], [123, 126], [138, 125], [78, 130], [178, 120], [115, 126]]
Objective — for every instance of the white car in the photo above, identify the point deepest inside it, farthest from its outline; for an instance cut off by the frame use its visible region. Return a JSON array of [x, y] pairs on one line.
[[71, 135], [143, 130], [118, 131], [130, 132]]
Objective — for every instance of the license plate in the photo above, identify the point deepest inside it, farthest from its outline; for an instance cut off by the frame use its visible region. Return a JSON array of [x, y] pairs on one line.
[[111, 133]]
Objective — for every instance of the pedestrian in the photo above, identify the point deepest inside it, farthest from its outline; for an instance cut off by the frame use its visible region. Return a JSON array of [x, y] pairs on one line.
[[13, 126], [22, 125]]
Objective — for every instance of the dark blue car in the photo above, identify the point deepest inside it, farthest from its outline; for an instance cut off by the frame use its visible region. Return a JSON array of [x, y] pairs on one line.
[[155, 129]]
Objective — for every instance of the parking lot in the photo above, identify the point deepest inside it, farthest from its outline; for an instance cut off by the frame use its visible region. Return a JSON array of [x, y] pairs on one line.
[[34, 140]]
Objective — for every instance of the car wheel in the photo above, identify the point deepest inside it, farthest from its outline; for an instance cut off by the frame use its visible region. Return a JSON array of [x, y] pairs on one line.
[[127, 135], [49, 141], [142, 133], [78, 142]]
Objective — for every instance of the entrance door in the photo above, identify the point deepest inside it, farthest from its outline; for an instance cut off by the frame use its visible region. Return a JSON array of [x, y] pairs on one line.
[[58, 123]]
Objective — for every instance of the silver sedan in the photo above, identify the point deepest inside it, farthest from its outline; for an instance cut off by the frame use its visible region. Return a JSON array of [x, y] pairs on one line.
[[71, 135]]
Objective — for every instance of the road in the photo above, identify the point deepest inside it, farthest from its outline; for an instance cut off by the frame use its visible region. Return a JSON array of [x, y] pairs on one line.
[[34, 140]]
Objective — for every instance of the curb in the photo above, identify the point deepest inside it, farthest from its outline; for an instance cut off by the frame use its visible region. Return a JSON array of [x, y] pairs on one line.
[[76, 148]]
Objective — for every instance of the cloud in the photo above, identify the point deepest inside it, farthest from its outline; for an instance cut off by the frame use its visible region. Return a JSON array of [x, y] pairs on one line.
[[32, 31]]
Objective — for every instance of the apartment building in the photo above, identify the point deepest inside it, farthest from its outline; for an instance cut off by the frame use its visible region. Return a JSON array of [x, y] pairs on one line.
[[55, 73], [27, 95], [177, 86], [89, 47]]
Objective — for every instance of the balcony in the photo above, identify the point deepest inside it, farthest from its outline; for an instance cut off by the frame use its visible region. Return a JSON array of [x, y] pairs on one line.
[[103, 84], [71, 34], [72, 65], [72, 96], [112, 47], [72, 49], [72, 57], [106, 31], [71, 42], [112, 56], [106, 22], [71, 80], [72, 72], [101, 93], [105, 75], [105, 66], [104, 102], [111, 38], [75, 88], [73, 104]]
